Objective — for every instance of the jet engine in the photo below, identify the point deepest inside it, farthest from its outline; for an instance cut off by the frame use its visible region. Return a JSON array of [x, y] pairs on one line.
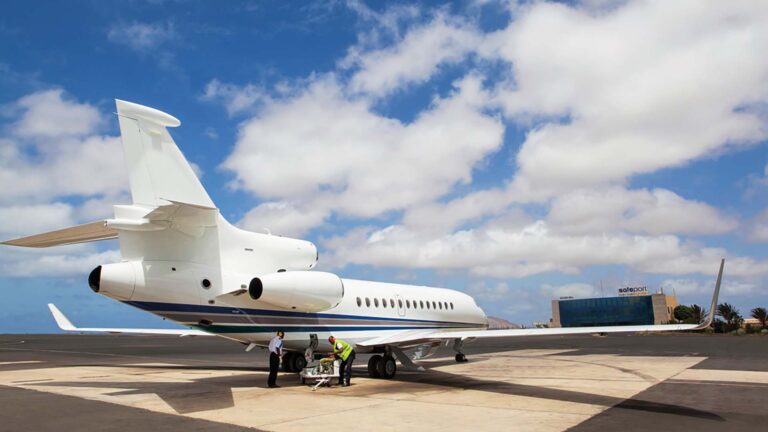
[[116, 280], [298, 290]]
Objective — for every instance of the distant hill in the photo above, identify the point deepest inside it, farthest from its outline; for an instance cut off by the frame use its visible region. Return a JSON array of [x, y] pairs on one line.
[[498, 324]]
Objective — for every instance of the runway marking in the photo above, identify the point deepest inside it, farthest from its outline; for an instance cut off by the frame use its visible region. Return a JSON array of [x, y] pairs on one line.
[[19, 362], [537, 390], [732, 376]]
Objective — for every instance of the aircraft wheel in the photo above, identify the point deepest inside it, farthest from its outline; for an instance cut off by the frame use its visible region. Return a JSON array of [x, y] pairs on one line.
[[373, 366], [299, 362], [461, 358], [387, 367], [288, 362]]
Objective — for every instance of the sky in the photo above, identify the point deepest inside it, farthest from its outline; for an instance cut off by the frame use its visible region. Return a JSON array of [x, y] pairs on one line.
[[518, 151]]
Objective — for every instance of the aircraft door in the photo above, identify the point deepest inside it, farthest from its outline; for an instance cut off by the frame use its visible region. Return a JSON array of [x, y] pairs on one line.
[[400, 305]]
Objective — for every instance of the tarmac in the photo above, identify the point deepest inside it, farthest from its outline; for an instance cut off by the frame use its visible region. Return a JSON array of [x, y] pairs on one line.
[[579, 383]]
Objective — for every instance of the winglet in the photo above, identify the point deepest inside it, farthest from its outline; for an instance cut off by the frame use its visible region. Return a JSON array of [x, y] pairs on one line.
[[61, 320], [713, 305]]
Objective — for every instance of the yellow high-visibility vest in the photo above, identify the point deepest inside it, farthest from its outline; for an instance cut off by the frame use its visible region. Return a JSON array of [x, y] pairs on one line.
[[345, 351]]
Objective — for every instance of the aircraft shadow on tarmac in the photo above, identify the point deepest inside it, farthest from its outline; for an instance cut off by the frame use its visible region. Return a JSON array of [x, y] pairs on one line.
[[212, 393]]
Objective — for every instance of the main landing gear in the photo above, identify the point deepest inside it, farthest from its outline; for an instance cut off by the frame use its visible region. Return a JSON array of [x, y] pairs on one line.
[[458, 344], [294, 362], [382, 366]]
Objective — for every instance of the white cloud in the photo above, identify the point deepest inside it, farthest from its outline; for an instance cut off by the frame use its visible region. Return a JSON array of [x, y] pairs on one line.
[[21, 220], [633, 100], [759, 229], [236, 99], [54, 152], [324, 150], [489, 293], [601, 99], [691, 287], [142, 37], [56, 265], [91, 166], [575, 290], [655, 212], [388, 21], [489, 251], [282, 218], [57, 152], [415, 58], [48, 115]]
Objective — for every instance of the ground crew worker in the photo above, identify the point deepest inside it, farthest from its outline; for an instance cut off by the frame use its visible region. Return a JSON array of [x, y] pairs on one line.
[[346, 353], [275, 352]]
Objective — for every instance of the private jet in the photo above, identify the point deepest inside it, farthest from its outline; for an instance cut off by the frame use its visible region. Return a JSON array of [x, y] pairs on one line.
[[183, 261]]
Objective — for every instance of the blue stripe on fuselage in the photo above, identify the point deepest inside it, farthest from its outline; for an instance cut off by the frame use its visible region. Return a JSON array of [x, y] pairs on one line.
[[157, 307]]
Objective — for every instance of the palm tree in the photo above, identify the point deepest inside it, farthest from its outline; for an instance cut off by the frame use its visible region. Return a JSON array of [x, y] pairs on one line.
[[698, 314], [731, 316], [760, 314], [682, 313]]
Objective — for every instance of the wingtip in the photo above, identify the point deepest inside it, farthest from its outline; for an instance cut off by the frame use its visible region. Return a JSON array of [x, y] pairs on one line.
[[61, 320], [715, 296]]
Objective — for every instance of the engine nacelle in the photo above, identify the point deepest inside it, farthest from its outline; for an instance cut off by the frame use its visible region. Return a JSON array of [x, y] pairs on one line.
[[298, 290], [118, 280]]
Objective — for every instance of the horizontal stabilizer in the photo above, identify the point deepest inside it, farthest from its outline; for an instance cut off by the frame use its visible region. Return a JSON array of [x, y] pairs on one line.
[[66, 325], [77, 234]]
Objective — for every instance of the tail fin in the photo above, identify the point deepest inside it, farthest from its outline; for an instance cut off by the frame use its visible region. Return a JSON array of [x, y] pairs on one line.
[[158, 171]]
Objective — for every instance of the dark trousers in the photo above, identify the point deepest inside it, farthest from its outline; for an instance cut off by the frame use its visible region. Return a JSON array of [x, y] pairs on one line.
[[274, 363], [345, 370]]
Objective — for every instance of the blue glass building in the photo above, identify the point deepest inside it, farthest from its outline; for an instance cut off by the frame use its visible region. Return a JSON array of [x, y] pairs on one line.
[[611, 311]]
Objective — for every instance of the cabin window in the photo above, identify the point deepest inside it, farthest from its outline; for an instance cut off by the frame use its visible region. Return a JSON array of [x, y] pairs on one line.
[[408, 304], [399, 303], [392, 303], [440, 305], [451, 305], [359, 302], [205, 283], [376, 302], [445, 305], [383, 302], [367, 302], [427, 304], [434, 306], [421, 304]]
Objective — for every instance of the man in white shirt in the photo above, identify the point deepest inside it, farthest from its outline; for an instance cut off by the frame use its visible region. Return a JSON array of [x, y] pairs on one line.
[[275, 352]]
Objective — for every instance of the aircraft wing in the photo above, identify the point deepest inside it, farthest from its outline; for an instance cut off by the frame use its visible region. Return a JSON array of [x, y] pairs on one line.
[[412, 338], [66, 325], [77, 234]]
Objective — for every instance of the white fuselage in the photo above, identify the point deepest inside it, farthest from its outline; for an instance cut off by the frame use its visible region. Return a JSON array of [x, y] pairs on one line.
[[171, 282]]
